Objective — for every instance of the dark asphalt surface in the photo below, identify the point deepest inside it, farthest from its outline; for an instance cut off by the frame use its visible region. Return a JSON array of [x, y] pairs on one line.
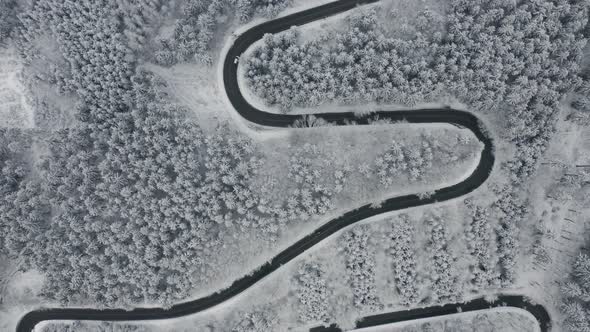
[[447, 115], [517, 301]]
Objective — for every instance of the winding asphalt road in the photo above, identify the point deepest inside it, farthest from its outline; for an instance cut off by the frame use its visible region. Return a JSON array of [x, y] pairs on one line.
[[446, 115], [517, 301]]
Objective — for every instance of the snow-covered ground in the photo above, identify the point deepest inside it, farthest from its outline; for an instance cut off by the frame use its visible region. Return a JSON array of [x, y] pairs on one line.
[[268, 292], [18, 293], [200, 89], [557, 227], [15, 110], [338, 148]]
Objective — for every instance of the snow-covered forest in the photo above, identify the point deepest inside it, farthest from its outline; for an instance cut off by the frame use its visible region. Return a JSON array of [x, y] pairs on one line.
[[193, 33], [360, 266], [102, 210], [515, 61], [118, 193], [93, 327], [515, 58], [133, 203]]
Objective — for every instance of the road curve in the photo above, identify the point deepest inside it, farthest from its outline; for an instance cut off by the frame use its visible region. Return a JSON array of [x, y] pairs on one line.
[[504, 300], [447, 115]]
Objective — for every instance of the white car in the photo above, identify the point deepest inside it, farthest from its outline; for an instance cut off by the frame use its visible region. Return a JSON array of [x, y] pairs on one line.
[[236, 60]]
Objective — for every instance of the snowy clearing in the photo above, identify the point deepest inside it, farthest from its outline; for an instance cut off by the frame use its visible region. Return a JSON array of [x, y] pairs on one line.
[[15, 110]]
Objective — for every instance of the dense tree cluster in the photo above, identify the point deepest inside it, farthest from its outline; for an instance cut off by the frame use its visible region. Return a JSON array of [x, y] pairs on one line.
[[120, 201], [96, 62], [399, 159], [313, 194], [245, 9], [519, 58], [530, 59], [403, 253], [133, 198], [119, 216], [23, 207], [312, 293], [576, 296], [442, 271], [138, 195], [310, 193], [511, 211], [572, 186], [194, 31], [360, 268], [361, 64], [309, 121], [139, 19], [258, 321], [93, 327], [581, 102], [8, 19], [480, 242]]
